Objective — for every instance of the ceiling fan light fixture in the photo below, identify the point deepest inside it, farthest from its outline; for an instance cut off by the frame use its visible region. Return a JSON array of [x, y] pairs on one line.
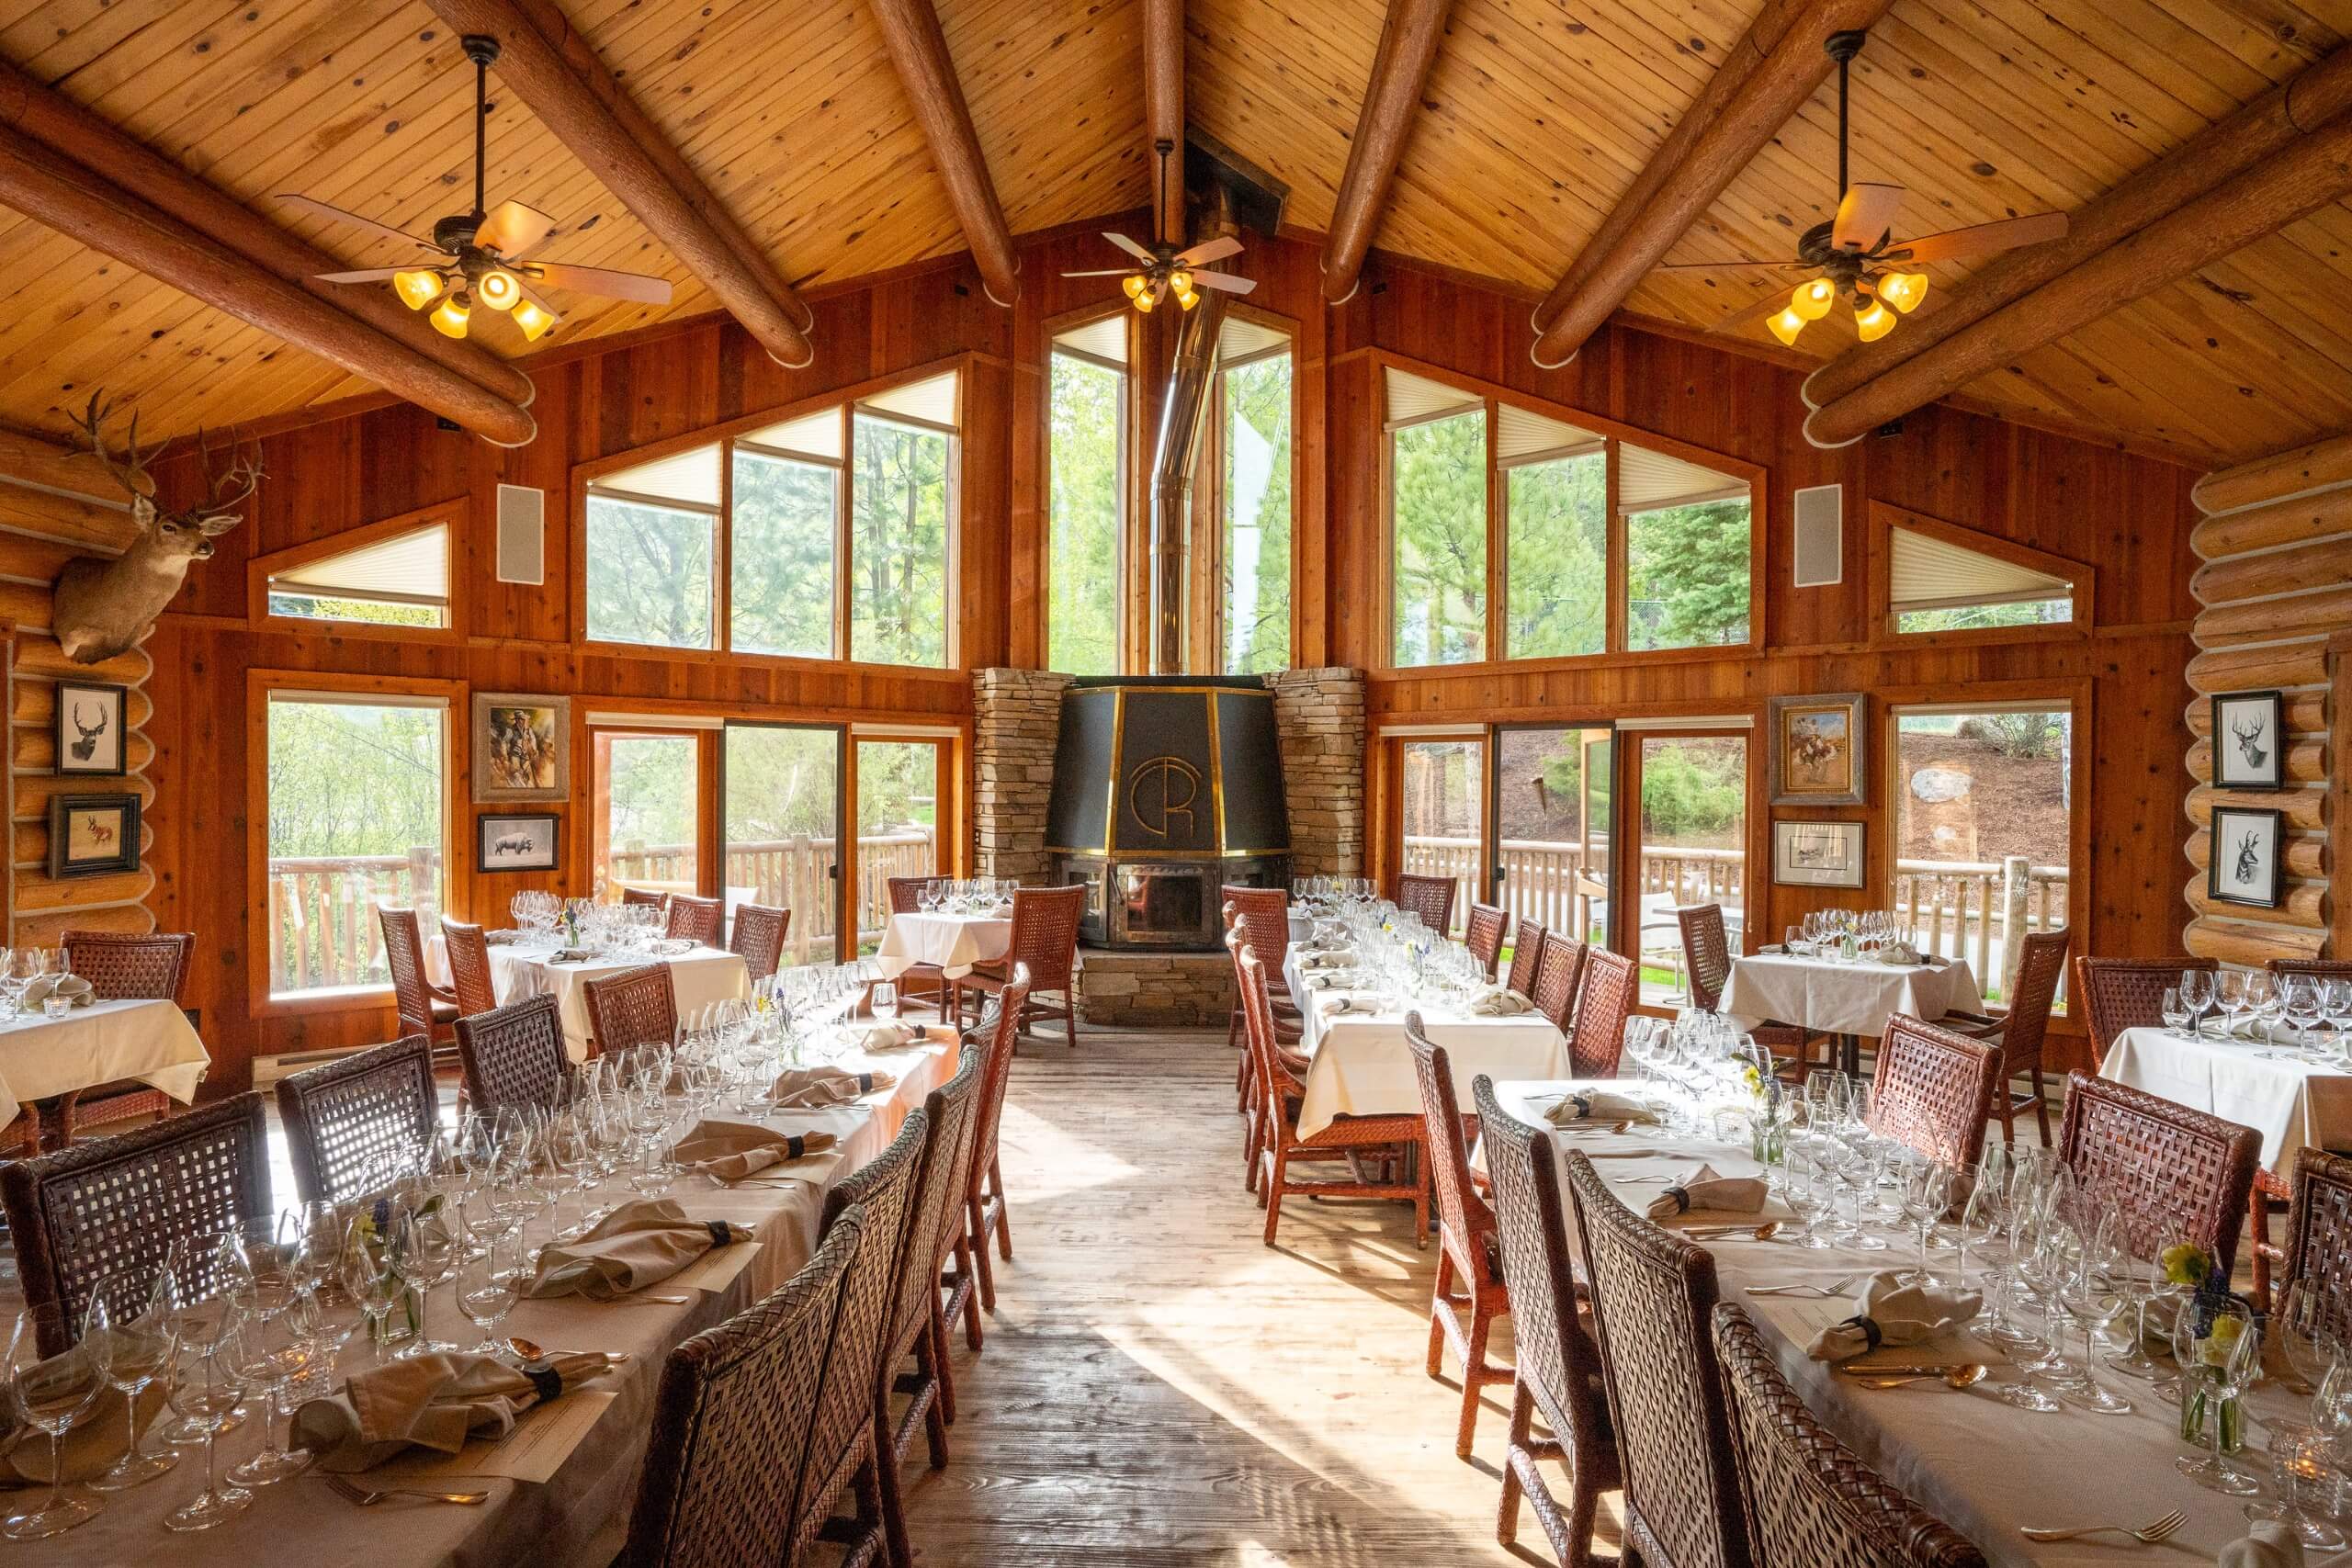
[[417, 286], [1132, 284], [536, 324], [1146, 298], [499, 289], [1813, 298], [1873, 320], [448, 317], [1786, 325], [1904, 290]]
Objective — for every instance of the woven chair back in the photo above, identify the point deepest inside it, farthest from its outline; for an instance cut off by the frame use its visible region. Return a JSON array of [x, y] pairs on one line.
[[345, 1117], [2042, 965], [758, 938], [1044, 933], [643, 898], [906, 893], [151, 966], [1483, 935], [1933, 1090], [1808, 1498], [1430, 897], [1264, 914], [1556, 973], [2118, 994], [513, 1057], [1599, 1037], [405, 958], [694, 919], [1652, 1296], [996, 1078], [116, 1205], [1467, 1220], [469, 953], [635, 1007], [1526, 957], [2168, 1172], [1706, 953], [939, 1201], [2319, 1242]]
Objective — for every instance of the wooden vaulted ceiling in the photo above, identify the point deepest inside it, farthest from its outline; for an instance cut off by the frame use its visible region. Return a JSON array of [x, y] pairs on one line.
[[1535, 116]]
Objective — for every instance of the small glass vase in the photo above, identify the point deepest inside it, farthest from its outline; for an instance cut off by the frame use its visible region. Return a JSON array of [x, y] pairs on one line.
[[1764, 1138], [2193, 1410]]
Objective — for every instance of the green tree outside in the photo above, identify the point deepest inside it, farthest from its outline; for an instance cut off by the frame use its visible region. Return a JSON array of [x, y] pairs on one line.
[[1257, 492], [1439, 576], [1086, 411]]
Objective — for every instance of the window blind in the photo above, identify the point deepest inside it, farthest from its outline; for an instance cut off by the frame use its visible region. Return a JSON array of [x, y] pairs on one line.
[[1650, 481], [409, 568], [690, 477], [1415, 398], [931, 402], [1239, 339], [1104, 339], [1521, 433], [815, 435], [1931, 574]]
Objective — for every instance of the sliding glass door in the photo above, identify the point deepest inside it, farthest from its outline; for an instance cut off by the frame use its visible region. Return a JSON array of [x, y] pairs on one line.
[[899, 786], [645, 812], [1693, 787], [780, 817], [1551, 812]]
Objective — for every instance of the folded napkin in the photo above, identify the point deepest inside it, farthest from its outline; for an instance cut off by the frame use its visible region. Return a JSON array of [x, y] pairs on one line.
[[75, 989], [504, 939], [1326, 958], [1332, 1006], [1599, 1105], [807, 1087], [637, 1245], [430, 1402], [888, 1037], [671, 947], [90, 1446], [1894, 1313], [2270, 1545], [1703, 1190], [569, 955], [1501, 1004], [729, 1151]]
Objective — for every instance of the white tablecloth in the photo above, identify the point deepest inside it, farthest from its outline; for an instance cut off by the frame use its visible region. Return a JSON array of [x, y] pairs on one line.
[[104, 1043], [955, 942], [2291, 1102], [1845, 998], [1360, 1065], [698, 978]]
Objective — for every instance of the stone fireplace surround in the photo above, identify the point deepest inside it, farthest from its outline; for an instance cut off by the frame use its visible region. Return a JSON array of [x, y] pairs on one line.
[[1319, 716]]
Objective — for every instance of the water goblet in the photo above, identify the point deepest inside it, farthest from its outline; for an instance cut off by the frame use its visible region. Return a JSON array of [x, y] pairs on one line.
[[127, 1331], [2196, 996], [486, 1289], [422, 1249], [1926, 1194], [51, 1398], [208, 1384]]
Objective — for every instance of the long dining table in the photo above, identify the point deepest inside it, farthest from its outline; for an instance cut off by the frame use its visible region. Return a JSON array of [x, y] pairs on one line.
[[1984, 1466], [578, 1518]]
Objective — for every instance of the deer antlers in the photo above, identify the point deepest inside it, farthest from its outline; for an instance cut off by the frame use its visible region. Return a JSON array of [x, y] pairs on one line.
[[227, 487], [133, 477]]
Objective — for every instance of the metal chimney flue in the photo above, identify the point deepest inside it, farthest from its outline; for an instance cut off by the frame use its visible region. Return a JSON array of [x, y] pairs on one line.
[[1182, 416]]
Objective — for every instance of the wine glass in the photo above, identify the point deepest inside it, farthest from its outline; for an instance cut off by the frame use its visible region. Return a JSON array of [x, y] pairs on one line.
[[2218, 1347], [2300, 1003], [2174, 1011], [2196, 996], [49, 1397], [2093, 1289], [2229, 996], [127, 1331], [1982, 1216], [1927, 1193], [486, 1289], [208, 1383], [421, 1248], [884, 1001], [269, 1341], [366, 1274]]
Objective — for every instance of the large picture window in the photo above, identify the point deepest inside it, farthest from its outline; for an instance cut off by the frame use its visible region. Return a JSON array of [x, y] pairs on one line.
[[1514, 534], [832, 533], [1254, 492], [1087, 481]]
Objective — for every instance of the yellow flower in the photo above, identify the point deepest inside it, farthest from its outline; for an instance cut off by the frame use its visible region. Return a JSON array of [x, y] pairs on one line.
[[2184, 1264]]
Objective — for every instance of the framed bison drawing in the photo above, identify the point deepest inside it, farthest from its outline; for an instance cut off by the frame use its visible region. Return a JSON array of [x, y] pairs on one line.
[[90, 835], [2249, 740], [1817, 748], [90, 728], [518, 842], [522, 746]]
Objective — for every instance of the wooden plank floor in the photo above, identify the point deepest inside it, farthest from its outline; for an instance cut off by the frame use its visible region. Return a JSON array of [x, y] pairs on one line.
[[1160, 1387]]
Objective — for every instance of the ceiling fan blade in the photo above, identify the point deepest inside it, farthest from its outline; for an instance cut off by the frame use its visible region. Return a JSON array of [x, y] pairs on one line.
[[1224, 245], [321, 210], [366, 275], [604, 281], [1866, 215], [2006, 234], [513, 228], [1104, 272], [1131, 247], [1224, 280], [1729, 266]]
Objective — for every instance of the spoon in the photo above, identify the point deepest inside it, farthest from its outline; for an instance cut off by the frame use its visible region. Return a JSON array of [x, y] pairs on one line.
[[1592, 1127], [1965, 1375], [1764, 1232], [530, 1351]]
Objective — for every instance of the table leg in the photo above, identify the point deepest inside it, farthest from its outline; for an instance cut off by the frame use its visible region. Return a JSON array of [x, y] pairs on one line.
[[1849, 1055]]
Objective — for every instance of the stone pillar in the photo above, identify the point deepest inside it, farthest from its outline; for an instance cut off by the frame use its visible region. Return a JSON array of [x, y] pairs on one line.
[[1319, 715], [1017, 718]]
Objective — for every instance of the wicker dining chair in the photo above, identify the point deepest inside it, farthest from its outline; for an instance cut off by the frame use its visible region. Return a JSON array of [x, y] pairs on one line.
[[2319, 1239], [1653, 1295], [925, 983], [2169, 1173], [1252, 1093], [1933, 1090], [1430, 897], [694, 919], [1356, 1136], [921, 1329], [344, 1117], [2018, 1033], [1808, 1498], [1706, 958], [2271, 1193], [421, 1007], [844, 1450], [1045, 937], [758, 938], [2118, 994], [1556, 1369], [635, 1007], [732, 1421], [1263, 917], [962, 1258], [469, 953], [119, 966], [116, 1205], [644, 898], [1468, 1294], [1483, 935], [1556, 973], [986, 1220], [2316, 968], [514, 1058], [1598, 1042], [1526, 957]]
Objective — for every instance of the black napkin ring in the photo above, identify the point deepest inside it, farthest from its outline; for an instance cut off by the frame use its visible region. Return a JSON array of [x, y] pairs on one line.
[[795, 1145], [1681, 1195], [545, 1377], [866, 1083], [722, 1232], [1583, 1102], [1872, 1334]]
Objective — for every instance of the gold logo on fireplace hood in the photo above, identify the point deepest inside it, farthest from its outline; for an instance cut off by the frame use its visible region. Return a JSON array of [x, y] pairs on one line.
[[1165, 787]]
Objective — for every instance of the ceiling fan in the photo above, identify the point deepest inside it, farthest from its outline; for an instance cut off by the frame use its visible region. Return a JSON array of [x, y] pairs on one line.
[[1161, 271], [1856, 256], [487, 251]]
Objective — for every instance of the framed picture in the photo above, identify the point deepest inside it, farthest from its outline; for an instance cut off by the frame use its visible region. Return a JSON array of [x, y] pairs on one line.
[[2247, 847], [2249, 740], [90, 720], [1817, 854], [520, 842], [1818, 746], [522, 746], [90, 835]]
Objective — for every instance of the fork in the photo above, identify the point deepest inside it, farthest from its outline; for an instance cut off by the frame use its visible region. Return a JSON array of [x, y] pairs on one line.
[[1835, 1288], [2155, 1530], [366, 1498]]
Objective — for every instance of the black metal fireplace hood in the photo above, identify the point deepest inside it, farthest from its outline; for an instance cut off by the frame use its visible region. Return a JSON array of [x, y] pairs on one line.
[[1164, 787]]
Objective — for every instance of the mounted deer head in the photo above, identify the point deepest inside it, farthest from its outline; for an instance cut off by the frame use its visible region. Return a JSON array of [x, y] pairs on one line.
[[104, 607], [2247, 739]]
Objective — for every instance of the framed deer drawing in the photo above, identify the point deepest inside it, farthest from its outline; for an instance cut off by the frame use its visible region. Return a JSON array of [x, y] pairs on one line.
[[89, 723], [2249, 740], [2246, 851]]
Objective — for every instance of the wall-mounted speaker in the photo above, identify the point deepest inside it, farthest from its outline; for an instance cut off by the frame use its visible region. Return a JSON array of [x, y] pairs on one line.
[[1820, 553], [522, 535]]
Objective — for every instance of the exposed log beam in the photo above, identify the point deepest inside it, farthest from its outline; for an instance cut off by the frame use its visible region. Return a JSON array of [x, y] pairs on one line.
[[2324, 462], [66, 128], [2220, 153], [84, 206], [1781, 61], [558, 76], [1409, 41], [2308, 175], [911, 28], [37, 459], [1163, 115]]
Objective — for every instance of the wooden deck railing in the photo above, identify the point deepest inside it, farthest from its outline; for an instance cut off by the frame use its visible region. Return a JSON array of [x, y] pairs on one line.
[[795, 874]]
